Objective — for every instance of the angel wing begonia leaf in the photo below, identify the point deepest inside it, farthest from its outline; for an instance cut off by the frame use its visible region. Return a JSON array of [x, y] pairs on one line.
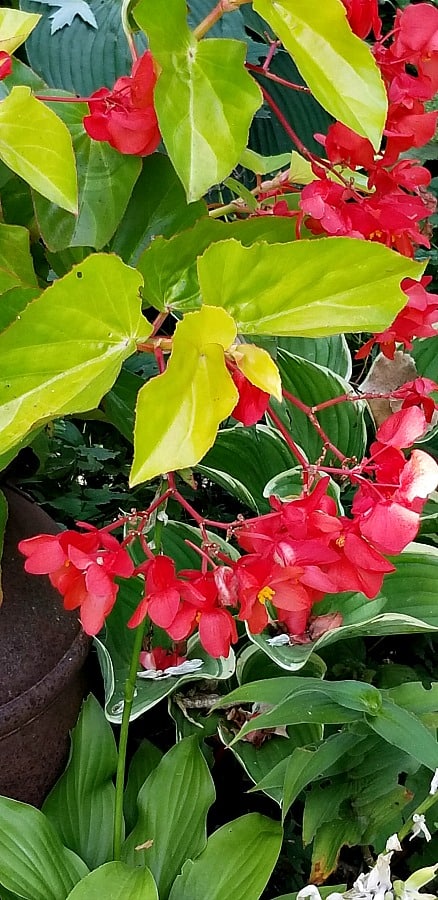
[[37, 146], [307, 288], [179, 412], [65, 350], [15, 27], [337, 66], [204, 98]]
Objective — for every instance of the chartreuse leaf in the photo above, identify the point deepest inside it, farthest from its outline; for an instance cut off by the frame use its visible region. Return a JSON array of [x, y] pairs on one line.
[[204, 98], [15, 28], [105, 182], [178, 826], [168, 266], [36, 145], [34, 863], [241, 854], [81, 804], [263, 165], [337, 66], [337, 285], [116, 881], [259, 368], [179, 412], [66, 349], [18, 282]]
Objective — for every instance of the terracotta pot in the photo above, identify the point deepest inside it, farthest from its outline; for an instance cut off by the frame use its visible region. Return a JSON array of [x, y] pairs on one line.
[[42, 653]]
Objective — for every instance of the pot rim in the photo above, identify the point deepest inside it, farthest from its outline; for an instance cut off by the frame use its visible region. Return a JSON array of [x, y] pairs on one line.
[[31, 703]]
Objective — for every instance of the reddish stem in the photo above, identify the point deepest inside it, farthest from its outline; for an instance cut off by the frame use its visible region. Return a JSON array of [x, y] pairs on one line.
[[309, 412], [260, 70], [289, 441]]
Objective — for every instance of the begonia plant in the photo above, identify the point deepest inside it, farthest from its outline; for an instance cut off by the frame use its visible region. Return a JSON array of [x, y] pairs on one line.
[[194, 294]]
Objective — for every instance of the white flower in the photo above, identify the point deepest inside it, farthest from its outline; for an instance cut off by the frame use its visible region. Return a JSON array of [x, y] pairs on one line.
[[184, 668], [434, 783], [310, 890], [280, 640], [393, 843], [375, 884], [420, 828]]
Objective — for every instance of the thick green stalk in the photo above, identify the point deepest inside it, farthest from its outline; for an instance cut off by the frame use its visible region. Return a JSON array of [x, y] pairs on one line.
[[123, 740]]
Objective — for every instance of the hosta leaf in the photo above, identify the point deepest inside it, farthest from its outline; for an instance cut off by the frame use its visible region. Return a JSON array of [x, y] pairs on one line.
[[205, 99], [331, 352], [178, 827], [144, 761], [343, 423], [80, 58], [242, 460], [116, 881], [15, 28], [36, 145], [67, 348], [34, 862], [81, 805], [404, 730], [241, 854], [179, 412], [341, 72], [338, 285], [105, 182]]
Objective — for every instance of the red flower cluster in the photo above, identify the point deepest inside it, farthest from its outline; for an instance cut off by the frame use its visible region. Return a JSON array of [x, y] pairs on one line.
[[416, 319], [125, 116], [388, 509], [396, 206], [82, 567]]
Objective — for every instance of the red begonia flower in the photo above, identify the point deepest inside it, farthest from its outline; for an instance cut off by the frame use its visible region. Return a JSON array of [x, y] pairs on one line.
[[82, 567], [417, 393], [162, 596], [402, 428], [363, 16], [125, 116], [5, 64], [344, 147], [252, 403]]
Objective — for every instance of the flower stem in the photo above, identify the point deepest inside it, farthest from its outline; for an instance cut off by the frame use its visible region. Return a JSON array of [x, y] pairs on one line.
[[123, 739], [222, 7], [420, 810]]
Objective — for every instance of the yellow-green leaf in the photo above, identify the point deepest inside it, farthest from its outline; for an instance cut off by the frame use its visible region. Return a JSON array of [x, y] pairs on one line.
[[65, 350], [15, 28], [205, 99], [179, 412], [306, 288], [259, 368], [337, 66], [36, 145]]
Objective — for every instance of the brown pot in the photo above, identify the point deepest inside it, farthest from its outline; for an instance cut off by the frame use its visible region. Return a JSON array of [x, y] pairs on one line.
[[42, 655]]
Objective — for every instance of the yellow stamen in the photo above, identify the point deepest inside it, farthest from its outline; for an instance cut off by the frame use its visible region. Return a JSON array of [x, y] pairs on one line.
[[265, 594], [340, 541]]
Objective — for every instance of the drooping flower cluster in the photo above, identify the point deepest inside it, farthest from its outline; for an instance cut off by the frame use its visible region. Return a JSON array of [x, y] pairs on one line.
[[292, 556], [82, 567], [125, 116], [394, 206]]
